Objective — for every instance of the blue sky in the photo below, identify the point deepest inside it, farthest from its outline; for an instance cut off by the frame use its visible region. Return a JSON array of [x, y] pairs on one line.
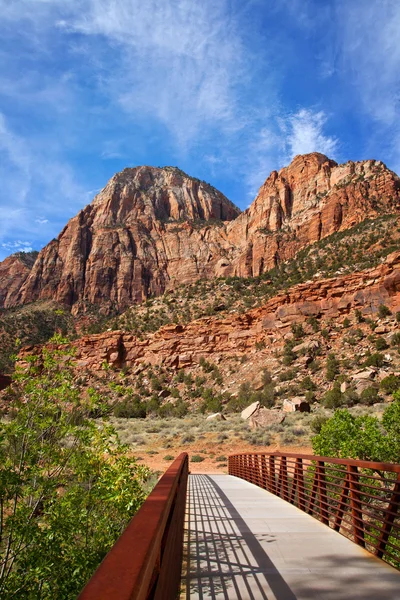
[[227, 90]]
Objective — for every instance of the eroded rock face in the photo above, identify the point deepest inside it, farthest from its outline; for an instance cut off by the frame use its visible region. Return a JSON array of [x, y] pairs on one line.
[[308, 200], [14, 271], [150, 229], [147, 229], [181, 346]]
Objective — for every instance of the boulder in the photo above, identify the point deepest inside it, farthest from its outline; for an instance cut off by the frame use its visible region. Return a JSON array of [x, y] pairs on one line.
[[308, 345], [250, 410], [381, 329], [265, 417], [164, 393], [367, 374], [216, 417], [298, 403]]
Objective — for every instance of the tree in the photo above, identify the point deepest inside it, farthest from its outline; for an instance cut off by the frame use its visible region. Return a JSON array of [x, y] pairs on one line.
[[364, 437], [67, 485]]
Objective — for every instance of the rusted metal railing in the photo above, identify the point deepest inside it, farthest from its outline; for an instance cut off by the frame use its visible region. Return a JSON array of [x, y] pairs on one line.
[[360, 499], [146, 560]]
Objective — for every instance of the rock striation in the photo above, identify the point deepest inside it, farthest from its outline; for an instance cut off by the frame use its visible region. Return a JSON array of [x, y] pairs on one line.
[[151, 229], [181, 346], [14, 271]]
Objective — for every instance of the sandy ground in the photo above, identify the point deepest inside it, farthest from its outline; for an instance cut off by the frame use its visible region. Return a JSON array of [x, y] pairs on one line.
[[156, 462]]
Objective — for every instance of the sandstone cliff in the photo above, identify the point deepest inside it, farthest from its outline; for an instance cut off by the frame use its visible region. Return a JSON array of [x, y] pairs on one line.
[[14, 270], [150, 229], [180, 346]]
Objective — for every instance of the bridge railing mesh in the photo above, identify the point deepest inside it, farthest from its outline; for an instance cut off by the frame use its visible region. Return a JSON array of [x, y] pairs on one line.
[[359, 499], [146, 560]]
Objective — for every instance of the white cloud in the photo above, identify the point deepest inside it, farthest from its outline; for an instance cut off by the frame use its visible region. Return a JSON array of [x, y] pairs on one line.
[[304, 133], [17, 246], [41, 220]]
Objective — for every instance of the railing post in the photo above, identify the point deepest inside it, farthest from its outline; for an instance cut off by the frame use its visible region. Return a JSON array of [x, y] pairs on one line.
[[300, 484], [323, 498], [283, 480], [256, 466], [356, 506], [390, 516], [272, 476], [264, 473], [342, 503]]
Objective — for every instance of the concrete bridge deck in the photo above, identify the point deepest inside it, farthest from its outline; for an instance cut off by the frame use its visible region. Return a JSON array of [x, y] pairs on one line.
[[243, 543]]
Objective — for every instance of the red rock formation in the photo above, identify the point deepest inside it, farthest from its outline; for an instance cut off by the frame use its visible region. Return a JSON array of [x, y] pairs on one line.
[[310, 199], [179, 346], [14, 270], [150, 229]]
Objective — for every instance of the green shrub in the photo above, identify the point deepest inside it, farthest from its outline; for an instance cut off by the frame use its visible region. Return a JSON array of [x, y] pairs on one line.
[[56, 540], [332, 367], [383, 311], [333, 398], [317, 423], [390, 384], [197, 458], [168, 457], [395, 341], [131, 408], [381, 344], [374, 360], [369, 396]]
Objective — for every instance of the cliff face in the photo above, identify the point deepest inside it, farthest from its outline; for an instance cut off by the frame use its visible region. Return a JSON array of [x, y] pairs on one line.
[[151, 229], [308, 200], [181, 346], [14, 270], [147, 229]]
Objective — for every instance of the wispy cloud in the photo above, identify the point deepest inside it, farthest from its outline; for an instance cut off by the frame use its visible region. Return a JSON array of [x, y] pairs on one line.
[[304, 132], [18, 246]]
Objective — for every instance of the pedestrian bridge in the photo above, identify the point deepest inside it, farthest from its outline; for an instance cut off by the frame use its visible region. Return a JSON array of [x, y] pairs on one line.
[[279, 527]]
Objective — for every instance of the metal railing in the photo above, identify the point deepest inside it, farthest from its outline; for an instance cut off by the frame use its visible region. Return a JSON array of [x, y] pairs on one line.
[[146, 560], [359, 499]]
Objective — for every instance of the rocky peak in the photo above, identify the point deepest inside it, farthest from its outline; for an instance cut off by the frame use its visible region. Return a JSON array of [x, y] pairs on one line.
[[152, 228], [160, 193]]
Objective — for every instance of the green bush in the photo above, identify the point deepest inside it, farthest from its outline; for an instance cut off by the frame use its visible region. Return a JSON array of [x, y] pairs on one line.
[[390, 384], [197, 458], [381, 344], [383, 311], [332, 398], [317, 423], [364, 437], [130, 408], [369, 396], [374, 360], [332, 367]]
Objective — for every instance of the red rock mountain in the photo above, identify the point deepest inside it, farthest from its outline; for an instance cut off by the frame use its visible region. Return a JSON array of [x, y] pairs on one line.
[[150, 229]]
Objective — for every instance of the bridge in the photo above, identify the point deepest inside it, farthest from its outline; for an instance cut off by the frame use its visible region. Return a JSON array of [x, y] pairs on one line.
[[278, 527]]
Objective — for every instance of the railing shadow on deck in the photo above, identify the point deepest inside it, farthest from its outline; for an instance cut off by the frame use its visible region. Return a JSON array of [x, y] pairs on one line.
[[223, 558], [145, 562], [359, 499]]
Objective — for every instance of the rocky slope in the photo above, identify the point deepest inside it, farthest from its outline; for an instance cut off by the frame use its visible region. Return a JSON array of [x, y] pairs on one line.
[[151, 229], [182, 346]]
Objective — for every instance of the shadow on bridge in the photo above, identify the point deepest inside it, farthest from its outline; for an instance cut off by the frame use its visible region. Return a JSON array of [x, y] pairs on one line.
[[225, 559]]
